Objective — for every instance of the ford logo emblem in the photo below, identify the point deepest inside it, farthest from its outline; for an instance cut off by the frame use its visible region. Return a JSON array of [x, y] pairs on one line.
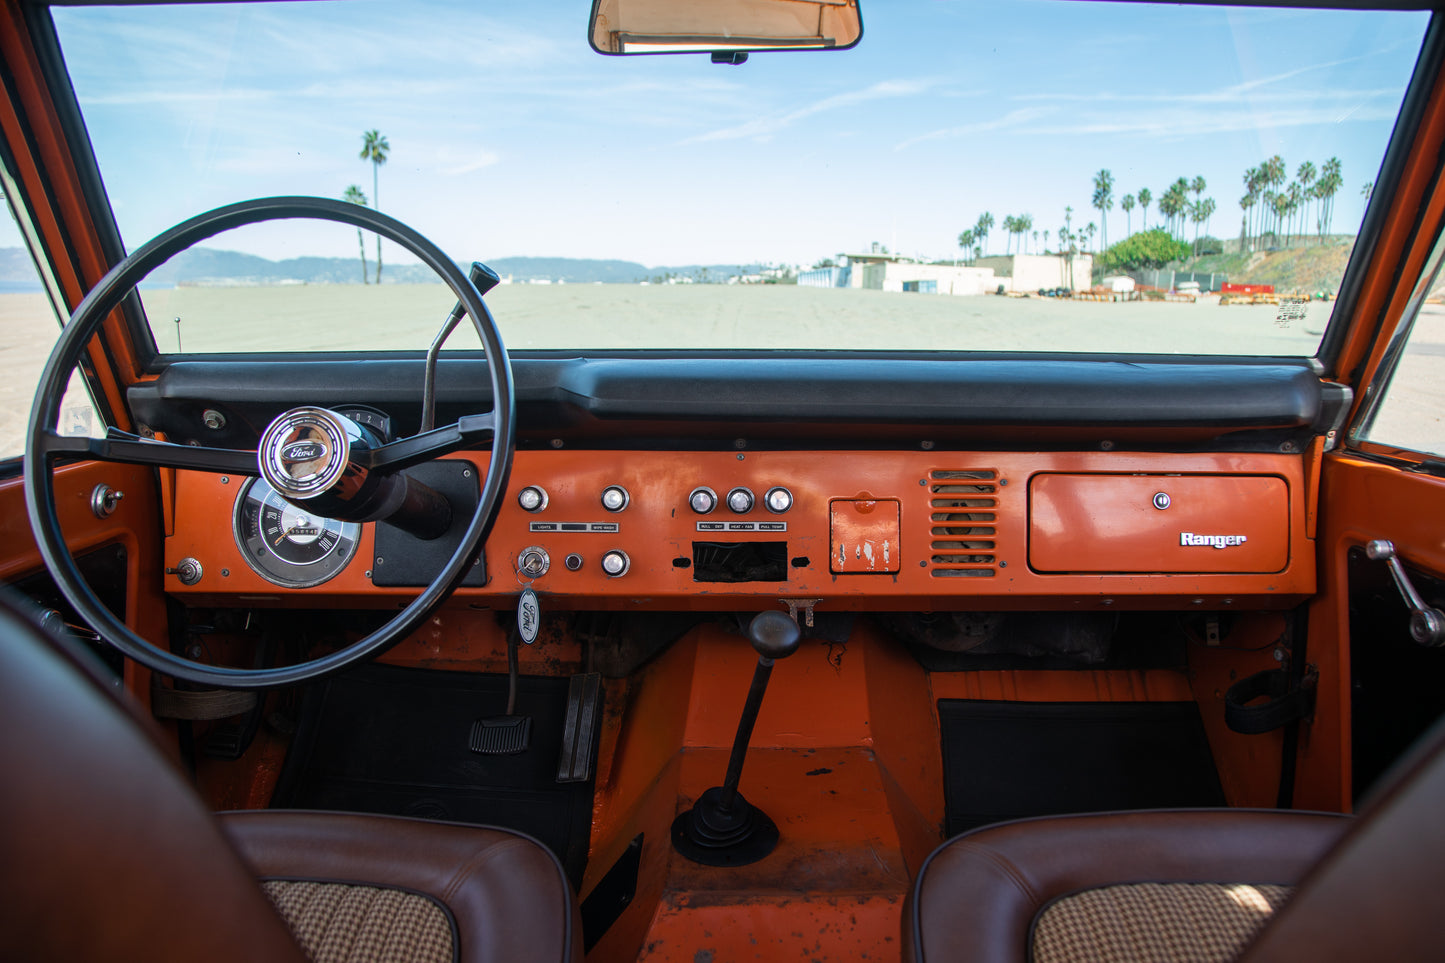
[[302, 451]]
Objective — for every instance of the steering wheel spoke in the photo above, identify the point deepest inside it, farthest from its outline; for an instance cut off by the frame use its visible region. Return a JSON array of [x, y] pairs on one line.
[[122, 446], [406, 452]]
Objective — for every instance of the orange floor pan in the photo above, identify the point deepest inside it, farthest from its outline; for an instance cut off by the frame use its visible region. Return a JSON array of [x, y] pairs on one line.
[[833, 889]]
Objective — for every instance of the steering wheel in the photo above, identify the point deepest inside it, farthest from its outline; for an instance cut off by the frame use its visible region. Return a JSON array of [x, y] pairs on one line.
[[44, 445]]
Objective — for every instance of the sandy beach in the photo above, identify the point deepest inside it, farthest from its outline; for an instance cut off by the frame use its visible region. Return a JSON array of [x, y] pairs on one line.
[[593, 317], [599, 316]]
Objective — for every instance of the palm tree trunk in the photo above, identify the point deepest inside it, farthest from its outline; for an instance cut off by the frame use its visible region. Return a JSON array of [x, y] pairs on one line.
[[361, 243], [376, 200]]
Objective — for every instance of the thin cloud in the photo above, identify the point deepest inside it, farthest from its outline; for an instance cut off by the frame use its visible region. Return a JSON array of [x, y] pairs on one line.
[[1179, 125], [1228, 95], [1013, 120], [1251, 91], [478, 160], [766, 126]]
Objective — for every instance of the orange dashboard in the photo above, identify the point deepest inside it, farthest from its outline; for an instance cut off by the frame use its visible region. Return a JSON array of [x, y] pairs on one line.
[[851, 530]]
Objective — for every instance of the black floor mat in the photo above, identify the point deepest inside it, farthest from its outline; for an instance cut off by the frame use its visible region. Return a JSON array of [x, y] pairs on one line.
[[1006, 760], [382, 739]]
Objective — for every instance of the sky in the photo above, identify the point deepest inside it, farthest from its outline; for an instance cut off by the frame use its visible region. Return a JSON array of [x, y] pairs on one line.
[[510, 137]]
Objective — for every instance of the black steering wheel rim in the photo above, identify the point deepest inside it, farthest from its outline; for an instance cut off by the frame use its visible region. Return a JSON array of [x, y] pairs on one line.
[[85, 322]]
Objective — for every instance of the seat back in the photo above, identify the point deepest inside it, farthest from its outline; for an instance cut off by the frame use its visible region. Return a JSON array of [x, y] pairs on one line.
[[1379, 894], [105, 852]]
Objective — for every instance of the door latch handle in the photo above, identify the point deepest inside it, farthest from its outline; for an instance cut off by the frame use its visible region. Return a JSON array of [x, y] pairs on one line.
[[1427, 625]]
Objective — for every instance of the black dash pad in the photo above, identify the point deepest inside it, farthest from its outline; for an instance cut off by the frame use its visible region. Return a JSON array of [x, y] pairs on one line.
[[383, 739], [1008, 760]]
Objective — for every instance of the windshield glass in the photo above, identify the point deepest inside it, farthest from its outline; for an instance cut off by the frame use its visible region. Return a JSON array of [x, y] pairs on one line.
[[1030, 176]]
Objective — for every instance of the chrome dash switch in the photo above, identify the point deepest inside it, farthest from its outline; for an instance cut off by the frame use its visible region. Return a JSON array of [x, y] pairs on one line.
[[533, 498], [778, 500], [615, 498], [740, 500], [702, 500]]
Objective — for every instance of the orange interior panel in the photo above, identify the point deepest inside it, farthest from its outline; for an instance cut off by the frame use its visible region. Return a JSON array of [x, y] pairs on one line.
[[955, 549], [1158, 523], [135, 524], [1362, 500], [864, 536]]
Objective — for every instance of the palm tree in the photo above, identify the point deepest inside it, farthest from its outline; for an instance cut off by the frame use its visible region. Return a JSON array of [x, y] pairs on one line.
[[1200, 212], [1280, 203], [1144, 198], [1197, 186], [1025, 223], [1330, 182], [1274, 175], [1367, 190], [1036, 233], [1306, 177], [1091, 230], [1296, 195], [1253, 181], [965, 241], [1207, 207], [981, 229], [353, 195], [1127, 203], [374, 148], [1104, 199]]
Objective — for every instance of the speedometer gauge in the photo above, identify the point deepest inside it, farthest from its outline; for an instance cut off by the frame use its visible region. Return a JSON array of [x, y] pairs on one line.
[[287, 545]]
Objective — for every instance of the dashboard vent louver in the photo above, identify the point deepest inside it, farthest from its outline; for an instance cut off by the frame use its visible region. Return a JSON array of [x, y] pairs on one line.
[[963, 509]]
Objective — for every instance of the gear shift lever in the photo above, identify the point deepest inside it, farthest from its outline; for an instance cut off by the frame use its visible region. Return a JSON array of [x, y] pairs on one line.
[[722, 828]]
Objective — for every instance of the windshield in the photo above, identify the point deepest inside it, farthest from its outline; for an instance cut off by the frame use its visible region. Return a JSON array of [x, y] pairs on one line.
[[1031, 176]]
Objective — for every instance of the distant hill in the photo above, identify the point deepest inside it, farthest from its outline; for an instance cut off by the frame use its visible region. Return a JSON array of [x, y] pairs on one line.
[[202, 265], [1304, 269], [571, 270]]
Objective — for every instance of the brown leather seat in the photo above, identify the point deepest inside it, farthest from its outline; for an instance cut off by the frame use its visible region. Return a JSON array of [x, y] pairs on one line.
[[1195, 885], [107, 854]]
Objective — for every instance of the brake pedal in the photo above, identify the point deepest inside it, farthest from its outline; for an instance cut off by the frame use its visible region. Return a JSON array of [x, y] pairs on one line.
[[501, 735], [510, 734]]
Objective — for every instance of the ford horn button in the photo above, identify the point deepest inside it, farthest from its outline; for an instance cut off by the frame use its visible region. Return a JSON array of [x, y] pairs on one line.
[[301, 451], [304, 451]]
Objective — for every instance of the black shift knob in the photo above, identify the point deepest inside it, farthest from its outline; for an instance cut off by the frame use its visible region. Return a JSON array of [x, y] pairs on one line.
[[774, 635]]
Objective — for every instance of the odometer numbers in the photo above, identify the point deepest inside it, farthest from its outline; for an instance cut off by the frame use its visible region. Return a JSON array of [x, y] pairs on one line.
[[286, 545]]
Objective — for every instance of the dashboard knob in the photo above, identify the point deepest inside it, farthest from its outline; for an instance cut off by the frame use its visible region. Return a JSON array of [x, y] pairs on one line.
[[740, 500], [533, 562], [615, 498], [616, 563], [702, 500], [533, 498], [778, 500]]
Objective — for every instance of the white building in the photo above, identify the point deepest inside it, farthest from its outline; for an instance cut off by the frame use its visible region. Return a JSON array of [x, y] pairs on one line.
[[1030, 272], [890, 272]]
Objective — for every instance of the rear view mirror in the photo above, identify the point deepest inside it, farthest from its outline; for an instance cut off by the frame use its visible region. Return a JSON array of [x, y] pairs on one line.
[[723, 26]]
